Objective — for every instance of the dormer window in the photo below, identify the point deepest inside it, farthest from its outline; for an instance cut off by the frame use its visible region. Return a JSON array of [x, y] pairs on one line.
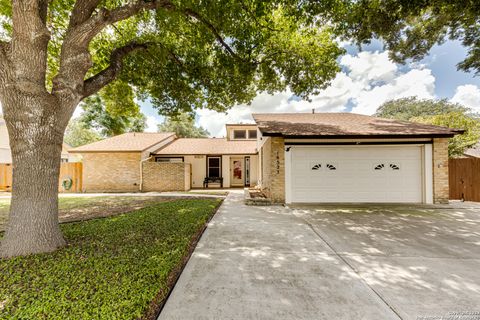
[[239, 134]]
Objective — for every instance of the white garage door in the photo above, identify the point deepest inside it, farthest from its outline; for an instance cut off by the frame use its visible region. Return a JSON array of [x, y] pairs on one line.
[[355, 174]]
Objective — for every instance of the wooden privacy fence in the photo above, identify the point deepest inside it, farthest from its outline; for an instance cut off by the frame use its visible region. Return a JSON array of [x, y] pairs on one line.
[[464, 179], [5, 177], [70, 177]]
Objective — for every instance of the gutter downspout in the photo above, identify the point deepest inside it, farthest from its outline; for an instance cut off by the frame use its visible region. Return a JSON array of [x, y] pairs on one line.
[[140, 187]]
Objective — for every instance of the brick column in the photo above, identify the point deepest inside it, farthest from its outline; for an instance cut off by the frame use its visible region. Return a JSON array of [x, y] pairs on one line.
[[277, 170], [440, 170]]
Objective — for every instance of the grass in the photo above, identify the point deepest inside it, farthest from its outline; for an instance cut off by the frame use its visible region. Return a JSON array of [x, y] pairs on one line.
[[210, 193], [81, 208], [119, 267]]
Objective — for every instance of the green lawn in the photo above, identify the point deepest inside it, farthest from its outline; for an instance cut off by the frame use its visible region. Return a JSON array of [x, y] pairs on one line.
[[74, 208], [119, 267]]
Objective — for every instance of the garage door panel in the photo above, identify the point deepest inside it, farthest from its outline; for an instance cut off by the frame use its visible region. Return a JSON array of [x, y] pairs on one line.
[[356, 174]]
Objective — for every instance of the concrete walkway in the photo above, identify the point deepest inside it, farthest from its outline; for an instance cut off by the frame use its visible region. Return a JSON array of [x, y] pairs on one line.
[[266, 263]]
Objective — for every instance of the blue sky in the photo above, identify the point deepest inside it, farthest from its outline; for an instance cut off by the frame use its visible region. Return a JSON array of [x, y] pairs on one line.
[[368, 79]]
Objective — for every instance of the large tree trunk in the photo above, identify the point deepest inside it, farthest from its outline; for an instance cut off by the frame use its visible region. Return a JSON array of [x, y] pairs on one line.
[[36, 136]]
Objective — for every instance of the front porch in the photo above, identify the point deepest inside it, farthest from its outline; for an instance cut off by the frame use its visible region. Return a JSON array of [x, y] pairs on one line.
[[198, 172]]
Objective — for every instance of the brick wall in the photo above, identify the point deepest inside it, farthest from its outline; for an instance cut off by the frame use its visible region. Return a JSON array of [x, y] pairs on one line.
[[277, 176], [165, 176], [440, 170], [265, 165], [111, 171], [273, 169]]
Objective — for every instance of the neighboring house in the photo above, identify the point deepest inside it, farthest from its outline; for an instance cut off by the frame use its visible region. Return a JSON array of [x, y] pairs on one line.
[[346, 157], [473, 152], [294, 158], [113, 164], [6, 155], [67, 156]]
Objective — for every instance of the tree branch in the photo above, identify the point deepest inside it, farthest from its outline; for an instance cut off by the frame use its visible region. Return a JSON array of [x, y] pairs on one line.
[[43, 10], [75, 57], [96, 23], [93, 84], [82, 11], [212, 28]]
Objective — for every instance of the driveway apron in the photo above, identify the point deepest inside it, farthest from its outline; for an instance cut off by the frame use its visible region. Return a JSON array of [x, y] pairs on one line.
[[267, 263]]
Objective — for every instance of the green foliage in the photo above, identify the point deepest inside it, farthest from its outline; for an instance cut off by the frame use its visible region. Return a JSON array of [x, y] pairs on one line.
[[272, 46], [113, 268], [206, 54], [113, 111], [409, 28], [407, 108], [183, 126], [456, 119], [77, 134], [271, 49], [436, 112]]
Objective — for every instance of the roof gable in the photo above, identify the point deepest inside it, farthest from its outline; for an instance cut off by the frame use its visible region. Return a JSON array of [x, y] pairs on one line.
[[127, 142]]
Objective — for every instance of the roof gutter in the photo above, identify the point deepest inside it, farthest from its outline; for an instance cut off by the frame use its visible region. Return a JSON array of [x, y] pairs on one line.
[[364, 136]]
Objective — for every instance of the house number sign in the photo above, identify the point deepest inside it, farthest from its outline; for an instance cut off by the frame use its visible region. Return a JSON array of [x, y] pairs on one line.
[[277, 162]]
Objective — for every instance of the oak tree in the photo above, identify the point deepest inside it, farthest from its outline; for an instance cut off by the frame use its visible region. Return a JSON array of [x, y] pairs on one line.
[[77, 134], [437, 112], [182, 54], [113, 111], [184, 126]]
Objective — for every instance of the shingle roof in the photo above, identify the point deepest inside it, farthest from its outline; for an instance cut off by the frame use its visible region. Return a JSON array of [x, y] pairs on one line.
[[208, 146], [132, 141], [332, 125], [473, 151]]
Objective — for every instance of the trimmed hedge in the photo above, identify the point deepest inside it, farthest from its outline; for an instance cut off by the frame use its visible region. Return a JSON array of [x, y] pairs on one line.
[[112, 268]]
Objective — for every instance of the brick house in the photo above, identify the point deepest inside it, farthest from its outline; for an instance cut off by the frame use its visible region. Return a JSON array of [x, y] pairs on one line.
[[294, 158], [162, 162], [346, 157], [113, 164]]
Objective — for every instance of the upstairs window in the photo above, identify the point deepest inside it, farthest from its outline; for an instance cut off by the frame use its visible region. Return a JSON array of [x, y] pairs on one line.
[[239, 134], [252, 134]]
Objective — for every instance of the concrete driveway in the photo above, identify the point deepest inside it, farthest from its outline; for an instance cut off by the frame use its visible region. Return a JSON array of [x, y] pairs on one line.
[[330, 262]]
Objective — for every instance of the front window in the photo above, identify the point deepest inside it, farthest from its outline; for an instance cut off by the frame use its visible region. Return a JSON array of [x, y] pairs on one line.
[[214, 167]]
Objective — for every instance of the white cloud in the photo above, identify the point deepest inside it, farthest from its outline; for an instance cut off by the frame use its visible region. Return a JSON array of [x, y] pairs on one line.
[[366, 67], [368, 79], [152, 123], [468, 95], [419, 83]]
